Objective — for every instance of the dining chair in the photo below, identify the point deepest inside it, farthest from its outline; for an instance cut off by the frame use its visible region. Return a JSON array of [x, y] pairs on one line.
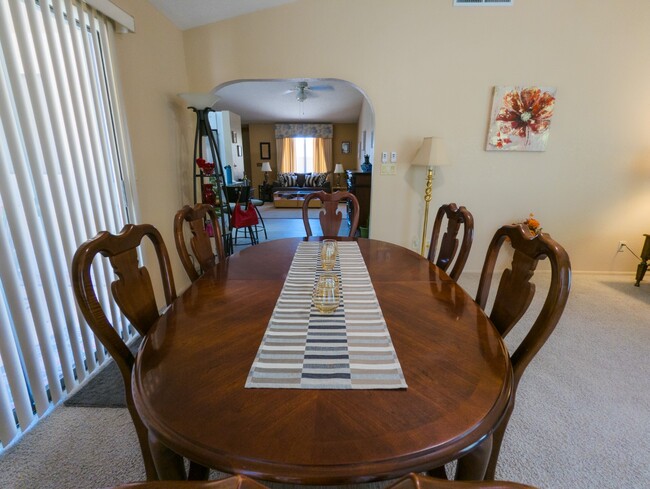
[[134, 294], [513, 297], [241, 195], [417, 481], [259, 203], [202, 219], [232, 482], [456, 216], [331, 217]]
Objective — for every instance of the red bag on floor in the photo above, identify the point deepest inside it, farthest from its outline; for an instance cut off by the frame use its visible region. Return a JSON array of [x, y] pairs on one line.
[[243, 218]]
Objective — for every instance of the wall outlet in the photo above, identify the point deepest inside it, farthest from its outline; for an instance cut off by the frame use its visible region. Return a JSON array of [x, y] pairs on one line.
[[621, 246]]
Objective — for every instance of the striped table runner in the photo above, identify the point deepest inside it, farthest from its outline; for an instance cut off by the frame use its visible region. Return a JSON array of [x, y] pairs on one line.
[[349, 349]]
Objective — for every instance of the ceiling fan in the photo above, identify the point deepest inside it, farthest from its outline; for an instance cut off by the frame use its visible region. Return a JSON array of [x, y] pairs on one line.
[[303, 90]]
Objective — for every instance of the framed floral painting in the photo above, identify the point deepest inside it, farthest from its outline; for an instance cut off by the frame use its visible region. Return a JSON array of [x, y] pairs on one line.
[[521, 118]]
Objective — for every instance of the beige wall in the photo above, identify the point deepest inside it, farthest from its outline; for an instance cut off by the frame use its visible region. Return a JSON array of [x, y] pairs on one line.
[[428, 70], [261, 133], [151, 62], [345, 132]]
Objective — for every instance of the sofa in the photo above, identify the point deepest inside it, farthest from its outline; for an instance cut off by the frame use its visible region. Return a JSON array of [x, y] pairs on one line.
[[312, 182], [290, 189]]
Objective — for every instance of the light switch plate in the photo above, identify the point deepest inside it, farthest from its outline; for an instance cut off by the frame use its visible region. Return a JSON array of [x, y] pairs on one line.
[[393, 157], [384, 157]]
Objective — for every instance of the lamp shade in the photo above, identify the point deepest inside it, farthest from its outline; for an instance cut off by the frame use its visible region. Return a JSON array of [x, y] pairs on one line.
[[339, 168], [266, 166], [431, 153], [199, 100]]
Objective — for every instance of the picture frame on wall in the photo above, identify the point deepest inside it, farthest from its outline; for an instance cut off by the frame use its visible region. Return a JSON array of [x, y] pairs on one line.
[[265, 151], [345, 147]]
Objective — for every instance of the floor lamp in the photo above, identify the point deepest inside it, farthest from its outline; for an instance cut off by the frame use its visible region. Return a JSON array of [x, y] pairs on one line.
[[432, 153]]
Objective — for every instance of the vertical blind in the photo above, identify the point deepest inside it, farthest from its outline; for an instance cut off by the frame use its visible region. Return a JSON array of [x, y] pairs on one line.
[[64, 168]]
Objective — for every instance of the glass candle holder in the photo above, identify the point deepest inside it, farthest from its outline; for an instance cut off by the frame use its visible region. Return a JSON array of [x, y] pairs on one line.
[[326, 294], [328, 254]]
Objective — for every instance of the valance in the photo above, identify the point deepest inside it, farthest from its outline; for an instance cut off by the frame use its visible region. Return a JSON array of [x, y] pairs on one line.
[[304, 131]]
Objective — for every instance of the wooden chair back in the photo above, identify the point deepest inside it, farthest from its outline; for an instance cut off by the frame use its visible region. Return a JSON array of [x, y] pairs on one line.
[[233, 482], [456, 216], [515, 294], [200, 242], [330, 217], [417, 481], [133, 292]]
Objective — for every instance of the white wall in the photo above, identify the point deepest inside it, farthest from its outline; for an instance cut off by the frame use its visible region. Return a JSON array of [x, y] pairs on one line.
[[366, 128], [227, 122], [429, 70]]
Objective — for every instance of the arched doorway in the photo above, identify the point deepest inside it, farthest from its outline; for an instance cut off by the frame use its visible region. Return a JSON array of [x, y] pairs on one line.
[[255, 107]]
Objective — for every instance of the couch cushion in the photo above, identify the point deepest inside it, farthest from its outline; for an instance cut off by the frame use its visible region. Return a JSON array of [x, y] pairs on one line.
[[300, 179]]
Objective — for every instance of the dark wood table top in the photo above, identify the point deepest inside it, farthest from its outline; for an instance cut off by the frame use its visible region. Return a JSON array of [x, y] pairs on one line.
[[188, 382]]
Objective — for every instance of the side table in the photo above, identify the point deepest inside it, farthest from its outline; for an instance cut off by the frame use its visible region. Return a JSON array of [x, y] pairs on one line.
[[265, 192], [645, 256]]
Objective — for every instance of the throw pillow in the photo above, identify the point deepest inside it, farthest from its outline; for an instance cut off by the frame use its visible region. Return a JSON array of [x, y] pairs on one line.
[[322, 179], [287, 179], [300, 179], [312, 180], [292, 180]]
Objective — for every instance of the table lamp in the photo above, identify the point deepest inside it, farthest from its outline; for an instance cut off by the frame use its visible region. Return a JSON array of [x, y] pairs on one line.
[[431, 153], [266, 168], [338, 169]]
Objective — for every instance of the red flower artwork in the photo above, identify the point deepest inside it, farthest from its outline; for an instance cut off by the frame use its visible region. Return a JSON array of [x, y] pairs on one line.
[[527, 111]]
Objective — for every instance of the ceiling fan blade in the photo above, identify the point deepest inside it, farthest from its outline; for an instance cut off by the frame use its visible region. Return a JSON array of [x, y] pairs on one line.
[[321, 87]]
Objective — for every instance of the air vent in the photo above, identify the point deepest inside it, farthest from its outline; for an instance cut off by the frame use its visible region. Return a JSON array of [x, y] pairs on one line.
[[483, 3]]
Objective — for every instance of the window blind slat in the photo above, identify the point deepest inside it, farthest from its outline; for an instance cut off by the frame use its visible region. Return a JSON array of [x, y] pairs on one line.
[[25, 333], [15, 381]]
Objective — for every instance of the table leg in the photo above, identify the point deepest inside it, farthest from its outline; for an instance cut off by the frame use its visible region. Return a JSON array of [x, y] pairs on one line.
[[169, 465], [473, 465], [640, 272]]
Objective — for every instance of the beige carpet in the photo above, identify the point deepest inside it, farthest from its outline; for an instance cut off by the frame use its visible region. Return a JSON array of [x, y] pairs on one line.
[[582, 419]]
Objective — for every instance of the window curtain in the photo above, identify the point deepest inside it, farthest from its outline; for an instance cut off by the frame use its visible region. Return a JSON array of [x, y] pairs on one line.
[[323, 155], [64, 175], [323, 134], [286, 155]]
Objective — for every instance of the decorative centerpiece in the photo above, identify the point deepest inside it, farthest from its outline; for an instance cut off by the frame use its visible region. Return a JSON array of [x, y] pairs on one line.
[[366, 166], [533, 224]]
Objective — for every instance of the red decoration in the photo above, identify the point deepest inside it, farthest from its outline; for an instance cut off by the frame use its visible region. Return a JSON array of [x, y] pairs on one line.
[[209, 197]]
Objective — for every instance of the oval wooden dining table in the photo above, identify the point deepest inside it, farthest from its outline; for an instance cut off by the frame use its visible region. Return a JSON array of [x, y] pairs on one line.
[[189, 377]]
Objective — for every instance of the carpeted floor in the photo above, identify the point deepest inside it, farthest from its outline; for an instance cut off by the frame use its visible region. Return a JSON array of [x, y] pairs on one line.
[[582, 419], [105, 389]]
